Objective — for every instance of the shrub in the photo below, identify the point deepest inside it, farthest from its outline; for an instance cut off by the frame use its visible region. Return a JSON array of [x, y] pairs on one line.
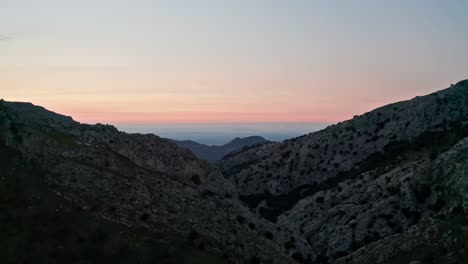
[[269, 235], [298, 257], [196, 179], [291, 243], [144, 217], [240, 219], [422, 192], [193, 235]]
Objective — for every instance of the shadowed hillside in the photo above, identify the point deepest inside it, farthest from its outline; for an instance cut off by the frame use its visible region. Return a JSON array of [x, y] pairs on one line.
[[39, 226]]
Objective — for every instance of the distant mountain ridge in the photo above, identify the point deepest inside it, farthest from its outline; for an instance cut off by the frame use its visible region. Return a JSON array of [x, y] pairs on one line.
[[213, 153]]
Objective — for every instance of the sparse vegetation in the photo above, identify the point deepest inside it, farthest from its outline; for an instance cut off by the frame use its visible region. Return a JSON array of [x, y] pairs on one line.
[[196, 179], [40, 227]]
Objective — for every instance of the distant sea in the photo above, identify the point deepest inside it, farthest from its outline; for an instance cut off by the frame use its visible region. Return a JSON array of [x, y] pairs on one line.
[[221, 133]]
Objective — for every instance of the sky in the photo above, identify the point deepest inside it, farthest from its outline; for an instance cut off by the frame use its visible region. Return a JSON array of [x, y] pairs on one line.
[[246, 61]]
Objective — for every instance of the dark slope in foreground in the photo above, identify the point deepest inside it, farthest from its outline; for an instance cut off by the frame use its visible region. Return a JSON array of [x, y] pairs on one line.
[[386, 187], [39, 226], [213, 154]]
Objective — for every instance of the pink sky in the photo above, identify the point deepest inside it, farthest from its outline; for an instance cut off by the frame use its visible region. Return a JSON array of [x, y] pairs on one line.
[[331, 104], [227, 61]]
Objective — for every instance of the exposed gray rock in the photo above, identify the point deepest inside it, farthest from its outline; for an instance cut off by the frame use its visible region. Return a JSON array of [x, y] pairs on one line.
[[317, 157], [361, 180]]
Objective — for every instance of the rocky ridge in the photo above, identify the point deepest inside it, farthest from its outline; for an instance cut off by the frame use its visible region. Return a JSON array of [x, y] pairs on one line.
[[358, 181]]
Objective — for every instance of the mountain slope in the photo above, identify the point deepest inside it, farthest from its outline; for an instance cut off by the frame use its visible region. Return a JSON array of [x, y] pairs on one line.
[[216, 153], [39, 226], [135, 180], [313, 159], [358, 181]]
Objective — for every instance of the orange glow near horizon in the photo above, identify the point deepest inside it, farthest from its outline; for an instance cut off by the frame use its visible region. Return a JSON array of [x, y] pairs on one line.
[[226, 61], [198, 117], [115, 108], [269, 103]]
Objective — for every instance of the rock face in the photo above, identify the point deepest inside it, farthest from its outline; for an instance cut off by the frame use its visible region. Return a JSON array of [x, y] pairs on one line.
[[318, 157], [389, 186], [361, 180], [213, 154]]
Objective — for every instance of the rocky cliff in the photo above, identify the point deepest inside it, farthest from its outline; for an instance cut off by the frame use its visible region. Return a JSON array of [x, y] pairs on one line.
[[389, 186]]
